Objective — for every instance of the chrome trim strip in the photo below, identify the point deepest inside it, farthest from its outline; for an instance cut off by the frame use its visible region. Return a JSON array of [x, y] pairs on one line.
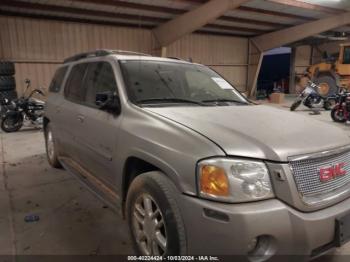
[[330, 197], [326, 153]]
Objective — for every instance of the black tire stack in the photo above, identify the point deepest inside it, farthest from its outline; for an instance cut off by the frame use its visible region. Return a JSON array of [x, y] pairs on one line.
[[7, 80]]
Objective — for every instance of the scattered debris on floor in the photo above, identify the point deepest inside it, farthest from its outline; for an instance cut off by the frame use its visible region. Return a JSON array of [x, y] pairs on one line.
[[31, 218]]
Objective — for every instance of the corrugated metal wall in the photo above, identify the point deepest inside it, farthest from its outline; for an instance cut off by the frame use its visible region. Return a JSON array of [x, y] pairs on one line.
[[38, 46]]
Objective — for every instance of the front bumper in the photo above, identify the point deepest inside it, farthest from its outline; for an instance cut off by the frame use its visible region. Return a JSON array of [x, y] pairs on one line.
[[230, 231]]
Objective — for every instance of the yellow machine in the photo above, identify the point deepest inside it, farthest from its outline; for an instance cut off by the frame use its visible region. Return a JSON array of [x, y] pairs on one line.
[[333, 72]]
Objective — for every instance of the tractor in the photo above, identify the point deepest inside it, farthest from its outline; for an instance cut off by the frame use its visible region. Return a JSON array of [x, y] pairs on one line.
[[333, 72]]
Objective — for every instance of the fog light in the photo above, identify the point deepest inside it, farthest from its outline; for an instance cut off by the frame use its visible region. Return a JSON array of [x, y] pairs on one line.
[[252, 245], [261, 248]]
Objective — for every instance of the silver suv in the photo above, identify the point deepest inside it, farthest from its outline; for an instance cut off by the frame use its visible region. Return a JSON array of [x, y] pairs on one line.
[[193, 165]]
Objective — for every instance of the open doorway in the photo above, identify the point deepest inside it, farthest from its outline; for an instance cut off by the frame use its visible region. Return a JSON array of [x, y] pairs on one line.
[[274, 72]]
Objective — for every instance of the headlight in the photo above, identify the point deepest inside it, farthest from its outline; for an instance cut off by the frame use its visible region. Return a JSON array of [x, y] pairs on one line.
[[233, 180]]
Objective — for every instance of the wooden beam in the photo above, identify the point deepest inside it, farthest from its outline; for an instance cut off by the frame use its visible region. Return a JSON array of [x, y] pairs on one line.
[[295, 33], [72, 19], [235, 28], [80, 11], [251, 21], [258, 10], [193, 20], [176, 11], [105, 14], [304, 5], [273, 13], [135, 6]]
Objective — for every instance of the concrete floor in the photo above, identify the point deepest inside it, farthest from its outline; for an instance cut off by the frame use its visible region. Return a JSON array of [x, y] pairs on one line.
[[72, 221]]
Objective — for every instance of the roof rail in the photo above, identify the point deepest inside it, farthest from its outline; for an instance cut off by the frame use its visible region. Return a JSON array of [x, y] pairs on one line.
[[122, 52], [174, 57], [100, 52]]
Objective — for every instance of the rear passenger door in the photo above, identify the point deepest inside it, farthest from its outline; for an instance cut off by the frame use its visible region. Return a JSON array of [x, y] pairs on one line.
[[54, 101], [74, 94], [99, 130]]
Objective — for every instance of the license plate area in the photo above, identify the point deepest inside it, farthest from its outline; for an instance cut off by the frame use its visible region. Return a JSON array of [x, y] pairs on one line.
[[342, 230]]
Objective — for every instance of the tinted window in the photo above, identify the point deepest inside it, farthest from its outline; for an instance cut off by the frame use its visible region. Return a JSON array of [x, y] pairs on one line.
[[57, 80], [346, 55], [75, 90], [99, 79]]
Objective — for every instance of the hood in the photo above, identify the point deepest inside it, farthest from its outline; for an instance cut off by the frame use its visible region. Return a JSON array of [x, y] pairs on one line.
[[257, 131]]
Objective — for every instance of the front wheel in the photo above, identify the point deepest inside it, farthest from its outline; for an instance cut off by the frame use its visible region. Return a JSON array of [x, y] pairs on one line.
[[12, 123], [295, 105], [154, 217], [338, 115]]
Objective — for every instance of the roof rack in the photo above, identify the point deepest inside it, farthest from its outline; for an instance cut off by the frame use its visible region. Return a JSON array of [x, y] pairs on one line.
[[100, 52], [174, 57]]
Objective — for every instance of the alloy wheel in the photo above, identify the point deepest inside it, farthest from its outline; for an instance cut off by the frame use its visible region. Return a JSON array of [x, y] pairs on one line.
[[149, 226]]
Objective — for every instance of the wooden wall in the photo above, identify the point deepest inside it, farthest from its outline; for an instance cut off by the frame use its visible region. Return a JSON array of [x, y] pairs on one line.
[[38, 46]]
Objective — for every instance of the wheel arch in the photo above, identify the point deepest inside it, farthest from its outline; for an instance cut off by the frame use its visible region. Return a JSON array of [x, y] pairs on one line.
[[136, 164]]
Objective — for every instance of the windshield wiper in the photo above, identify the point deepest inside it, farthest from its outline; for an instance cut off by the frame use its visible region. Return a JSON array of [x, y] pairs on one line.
[[168, 100], [225, 100]]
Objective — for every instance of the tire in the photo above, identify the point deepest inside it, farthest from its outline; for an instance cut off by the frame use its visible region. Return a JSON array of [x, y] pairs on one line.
[[328, 85], [162, 195], [7, 68], [51, 148], [336, 117], [7, 83], [327, 105], [295, 105], [10, 123], [9, 94]]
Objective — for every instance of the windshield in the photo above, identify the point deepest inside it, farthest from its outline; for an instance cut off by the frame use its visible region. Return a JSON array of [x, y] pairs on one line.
[[157, 82]]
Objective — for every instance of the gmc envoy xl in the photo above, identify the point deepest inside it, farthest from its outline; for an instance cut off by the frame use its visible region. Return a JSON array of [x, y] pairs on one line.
[[194, 166]]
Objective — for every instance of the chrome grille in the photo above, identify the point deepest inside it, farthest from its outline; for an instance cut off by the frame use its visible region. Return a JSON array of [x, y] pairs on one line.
[[307, 173]]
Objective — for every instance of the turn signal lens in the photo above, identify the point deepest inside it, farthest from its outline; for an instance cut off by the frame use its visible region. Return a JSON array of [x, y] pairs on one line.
[[213, 181]]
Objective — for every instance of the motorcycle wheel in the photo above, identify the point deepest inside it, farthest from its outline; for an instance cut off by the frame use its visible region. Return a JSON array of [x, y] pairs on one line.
[[295, 105], [327, 105], [337, 115], [11, 123]]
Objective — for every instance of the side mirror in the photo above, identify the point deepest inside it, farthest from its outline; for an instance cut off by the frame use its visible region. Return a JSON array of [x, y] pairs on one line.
[[108, 101]]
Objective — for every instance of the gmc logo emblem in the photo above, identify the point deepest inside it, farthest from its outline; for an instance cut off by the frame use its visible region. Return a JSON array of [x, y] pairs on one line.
[[328, 173]]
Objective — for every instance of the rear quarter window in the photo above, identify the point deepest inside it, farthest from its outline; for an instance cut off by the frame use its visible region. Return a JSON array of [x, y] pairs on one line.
[[74, 89], [57, 80]]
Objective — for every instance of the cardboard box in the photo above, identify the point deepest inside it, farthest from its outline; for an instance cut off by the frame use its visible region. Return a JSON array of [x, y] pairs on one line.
[[277, 98]]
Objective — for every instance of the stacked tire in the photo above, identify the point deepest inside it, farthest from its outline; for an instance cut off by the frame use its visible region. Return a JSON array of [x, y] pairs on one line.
[[7, 80]]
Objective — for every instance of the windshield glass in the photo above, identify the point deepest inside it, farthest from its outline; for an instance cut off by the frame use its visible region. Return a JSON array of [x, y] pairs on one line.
[[158, 82]]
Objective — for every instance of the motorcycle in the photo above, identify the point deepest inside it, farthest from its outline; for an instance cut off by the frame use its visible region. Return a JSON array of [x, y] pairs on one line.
[[25, 108], [341, 111], [310, 98]]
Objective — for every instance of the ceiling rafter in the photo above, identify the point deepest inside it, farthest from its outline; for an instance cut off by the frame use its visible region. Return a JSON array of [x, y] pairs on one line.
[[103, 22], [193, 20], [259, 11], [104, 14], [176, 11]]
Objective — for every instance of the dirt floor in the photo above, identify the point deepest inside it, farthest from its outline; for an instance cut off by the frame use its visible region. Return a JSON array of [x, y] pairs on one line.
[[72, 221]]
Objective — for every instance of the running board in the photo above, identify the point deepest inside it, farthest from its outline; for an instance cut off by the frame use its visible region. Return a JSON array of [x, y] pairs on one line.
[[93, 184]]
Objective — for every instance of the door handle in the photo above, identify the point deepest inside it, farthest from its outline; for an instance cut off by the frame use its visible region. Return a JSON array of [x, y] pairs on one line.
[[80, 118]]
